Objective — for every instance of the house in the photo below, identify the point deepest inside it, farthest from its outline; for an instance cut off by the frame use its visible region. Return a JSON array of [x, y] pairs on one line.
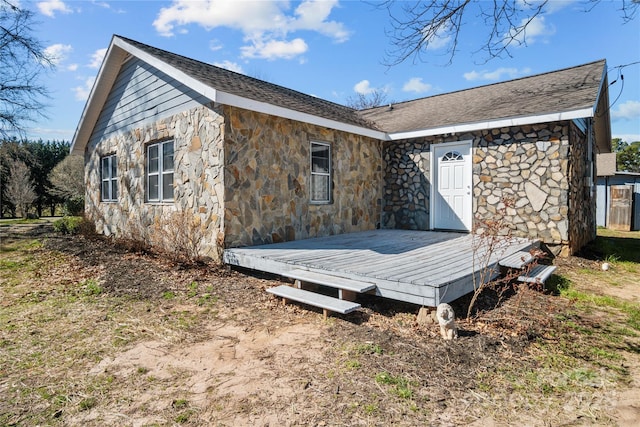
[[251, 162], [618, 195]]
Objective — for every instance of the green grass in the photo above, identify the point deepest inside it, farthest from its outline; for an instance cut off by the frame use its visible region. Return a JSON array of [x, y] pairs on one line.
[[630, 309], [401, 386], [616, 246], [368, 348]]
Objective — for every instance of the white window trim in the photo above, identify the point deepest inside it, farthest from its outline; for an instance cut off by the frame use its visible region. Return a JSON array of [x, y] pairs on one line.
[[109, 179], [329, 174], [160, 173]]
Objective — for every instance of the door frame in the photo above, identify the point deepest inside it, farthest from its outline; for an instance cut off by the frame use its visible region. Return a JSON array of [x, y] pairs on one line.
[[468, 148]]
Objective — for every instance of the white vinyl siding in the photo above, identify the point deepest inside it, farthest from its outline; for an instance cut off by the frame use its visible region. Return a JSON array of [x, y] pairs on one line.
[[320, 172], [109, 178], [160, 172]]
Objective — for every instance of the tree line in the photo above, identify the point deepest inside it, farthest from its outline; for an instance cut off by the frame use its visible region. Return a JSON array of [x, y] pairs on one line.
[[627, 155], [39, 178]]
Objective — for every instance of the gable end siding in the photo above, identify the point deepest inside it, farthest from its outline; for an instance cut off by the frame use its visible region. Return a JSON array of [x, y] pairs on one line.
[[142, 95]]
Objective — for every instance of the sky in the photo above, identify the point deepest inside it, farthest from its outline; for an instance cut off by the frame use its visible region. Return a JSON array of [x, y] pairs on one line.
[[330, 49]]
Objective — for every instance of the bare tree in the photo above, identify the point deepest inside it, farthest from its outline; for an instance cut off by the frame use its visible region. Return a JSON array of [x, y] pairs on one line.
[[67, 178], [20, 190], [362, 101], [418, 26], [22, 60]]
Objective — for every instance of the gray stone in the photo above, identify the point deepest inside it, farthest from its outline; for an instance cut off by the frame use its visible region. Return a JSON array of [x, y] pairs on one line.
[[536, 196]]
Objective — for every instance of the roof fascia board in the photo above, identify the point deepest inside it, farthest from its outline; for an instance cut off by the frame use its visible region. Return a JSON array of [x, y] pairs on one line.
[[492, 124], [603, 79], [242, 102]]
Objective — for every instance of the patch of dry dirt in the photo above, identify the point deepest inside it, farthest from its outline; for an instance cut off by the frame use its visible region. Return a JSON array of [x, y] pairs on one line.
[[257, 362]]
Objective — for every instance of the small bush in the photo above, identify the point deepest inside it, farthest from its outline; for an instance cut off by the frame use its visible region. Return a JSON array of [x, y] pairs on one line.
[[74, 206], [68, 224], [74, 225]]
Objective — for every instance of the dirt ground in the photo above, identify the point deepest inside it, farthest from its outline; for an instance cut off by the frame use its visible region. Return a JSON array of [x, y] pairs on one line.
[[204, 345]]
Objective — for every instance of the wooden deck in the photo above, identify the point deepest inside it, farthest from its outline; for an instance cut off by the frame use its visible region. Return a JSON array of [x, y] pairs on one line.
[[421, 267]]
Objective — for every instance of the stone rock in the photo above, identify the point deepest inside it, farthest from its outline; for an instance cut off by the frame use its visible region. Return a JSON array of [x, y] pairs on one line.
[[536, 196]]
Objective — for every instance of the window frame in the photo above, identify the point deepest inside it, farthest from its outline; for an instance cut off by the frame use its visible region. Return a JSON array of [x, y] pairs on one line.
[[110, 180], [328, 174], [160, 172]]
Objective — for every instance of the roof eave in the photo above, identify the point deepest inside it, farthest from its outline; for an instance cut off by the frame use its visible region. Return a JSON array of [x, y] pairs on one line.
[[492, 124]]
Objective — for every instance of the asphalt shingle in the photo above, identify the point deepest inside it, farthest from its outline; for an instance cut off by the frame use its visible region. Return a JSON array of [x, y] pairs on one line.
[[564, 90]]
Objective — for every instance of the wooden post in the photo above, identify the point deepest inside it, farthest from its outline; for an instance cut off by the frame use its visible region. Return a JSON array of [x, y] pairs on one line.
[[325, 314], [347, 295]]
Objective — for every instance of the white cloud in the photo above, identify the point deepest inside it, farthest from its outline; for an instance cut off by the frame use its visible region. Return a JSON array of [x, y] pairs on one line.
[[82, 92], [50, 7], [415, 84], [629, 110], [97, 57], [48, 133], [549, 7], [440, 39], [363, 87], [313, 15], [627, 137], [72, 67], [215, 44], [266, 24], [274, 49], [57, 53], [231, 66], [498, 74], [534, 30]]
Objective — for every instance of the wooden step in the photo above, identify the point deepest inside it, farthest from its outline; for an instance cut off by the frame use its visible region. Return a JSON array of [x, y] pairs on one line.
[[327, 303], [517, 260], [538, 274], [330, 280]]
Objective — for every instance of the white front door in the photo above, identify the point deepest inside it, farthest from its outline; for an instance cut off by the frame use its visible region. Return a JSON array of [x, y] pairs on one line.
[[451, 190]]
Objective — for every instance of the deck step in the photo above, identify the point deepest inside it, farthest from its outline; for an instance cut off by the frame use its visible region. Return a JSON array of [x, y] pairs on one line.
[[517, 260], [330, 280], [317, 300], [538, 274]]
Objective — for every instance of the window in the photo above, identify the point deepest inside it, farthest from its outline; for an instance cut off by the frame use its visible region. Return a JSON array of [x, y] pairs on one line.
[[452, 156], [160, 172], [320, 172], [109, 177]]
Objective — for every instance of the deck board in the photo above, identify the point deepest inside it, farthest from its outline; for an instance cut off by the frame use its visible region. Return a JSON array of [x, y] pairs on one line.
[[407, 265]]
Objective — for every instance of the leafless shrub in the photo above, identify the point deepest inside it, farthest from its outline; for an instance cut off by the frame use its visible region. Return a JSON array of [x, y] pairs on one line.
[[490, 241], [20, 190], [137, 238], [179, 235]]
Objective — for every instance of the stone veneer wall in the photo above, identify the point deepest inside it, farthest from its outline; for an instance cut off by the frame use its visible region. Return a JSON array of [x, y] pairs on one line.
[[535, 165], [582, 197], [198, 135], [267, 176]]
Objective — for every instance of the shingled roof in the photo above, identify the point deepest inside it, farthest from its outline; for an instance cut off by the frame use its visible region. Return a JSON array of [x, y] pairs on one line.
[[559, 95], [255, 89], [571, 90]]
